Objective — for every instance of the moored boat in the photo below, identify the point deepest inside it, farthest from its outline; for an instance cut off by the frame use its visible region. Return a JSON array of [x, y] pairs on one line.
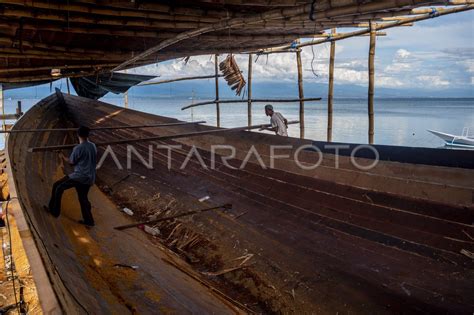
[[463, 140]]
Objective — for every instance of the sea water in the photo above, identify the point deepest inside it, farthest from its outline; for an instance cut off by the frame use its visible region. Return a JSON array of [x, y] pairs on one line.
[[398, 121]]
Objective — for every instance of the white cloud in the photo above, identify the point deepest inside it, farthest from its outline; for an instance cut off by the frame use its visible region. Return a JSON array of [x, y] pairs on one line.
[[403, 53], [433, 80], [468, 64]]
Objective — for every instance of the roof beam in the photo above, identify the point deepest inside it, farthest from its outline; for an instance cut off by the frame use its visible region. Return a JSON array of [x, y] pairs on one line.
[[25, 45], [62, 66], [153, 7], [167, 14], [272, 15], [378, 27], [43, 15]]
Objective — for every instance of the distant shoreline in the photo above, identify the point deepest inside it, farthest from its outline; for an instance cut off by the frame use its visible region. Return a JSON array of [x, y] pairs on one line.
[[187, 98]]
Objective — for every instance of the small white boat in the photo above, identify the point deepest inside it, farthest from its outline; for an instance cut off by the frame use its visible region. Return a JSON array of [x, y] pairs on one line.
[[465, 140]]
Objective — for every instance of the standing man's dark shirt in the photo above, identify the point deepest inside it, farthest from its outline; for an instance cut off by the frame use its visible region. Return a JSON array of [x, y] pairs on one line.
[[84, 159]]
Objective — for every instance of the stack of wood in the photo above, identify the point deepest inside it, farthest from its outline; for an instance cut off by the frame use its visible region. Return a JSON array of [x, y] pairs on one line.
[[232, 74]]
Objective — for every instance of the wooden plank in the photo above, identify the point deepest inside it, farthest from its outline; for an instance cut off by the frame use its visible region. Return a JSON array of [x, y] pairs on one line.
[[68, 88], [371, 82], [300, 91], [180, 79], [291, 100], [156, 138], [331, 86], [218, 109], [249, 92], [106, 128]]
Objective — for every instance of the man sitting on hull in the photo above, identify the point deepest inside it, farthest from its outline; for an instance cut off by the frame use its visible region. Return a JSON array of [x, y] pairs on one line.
[[84, 160]]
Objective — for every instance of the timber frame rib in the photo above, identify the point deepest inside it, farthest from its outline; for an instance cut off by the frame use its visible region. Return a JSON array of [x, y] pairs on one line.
[[87, 37]]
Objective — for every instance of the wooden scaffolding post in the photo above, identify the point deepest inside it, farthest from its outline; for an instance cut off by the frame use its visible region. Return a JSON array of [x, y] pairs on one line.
[[19, 112], [2, 104], [249, 91], [68, 89], [331, 86], [125, 96], [218, 109], [371, 81], [300, 90]]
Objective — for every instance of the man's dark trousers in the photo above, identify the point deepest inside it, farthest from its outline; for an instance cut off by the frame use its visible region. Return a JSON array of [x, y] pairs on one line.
[[82, 190]]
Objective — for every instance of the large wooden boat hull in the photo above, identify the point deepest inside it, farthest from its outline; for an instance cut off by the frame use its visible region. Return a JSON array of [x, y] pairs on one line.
[[395, 238]]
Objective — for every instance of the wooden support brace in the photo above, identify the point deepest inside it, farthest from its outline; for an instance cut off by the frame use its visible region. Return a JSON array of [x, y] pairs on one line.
[[331, 87], [218, 109], [155, 138], [249, 92], [371, 83], [300, 91]]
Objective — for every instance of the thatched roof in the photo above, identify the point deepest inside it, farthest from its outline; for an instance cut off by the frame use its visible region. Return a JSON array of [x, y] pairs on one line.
[[88, 36]]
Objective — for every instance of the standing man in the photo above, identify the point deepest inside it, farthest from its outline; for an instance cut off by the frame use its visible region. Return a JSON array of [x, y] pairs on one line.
[[84, 160], [278, 122]]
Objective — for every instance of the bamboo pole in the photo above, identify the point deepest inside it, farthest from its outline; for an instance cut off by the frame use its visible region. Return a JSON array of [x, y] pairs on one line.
[[300, 91], [106, 128], [136, 9], [155, 138], [2, 104], [218, 108], [66, 49], [158, 34], [19, 112], [379, 15], [385, 26], [68, 88], [58, 55], [98, 10], [170, 23], [325, 38], [309, 99], [179, 79], [249, 92], [371, 83], [331, 86], [48, 77]]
